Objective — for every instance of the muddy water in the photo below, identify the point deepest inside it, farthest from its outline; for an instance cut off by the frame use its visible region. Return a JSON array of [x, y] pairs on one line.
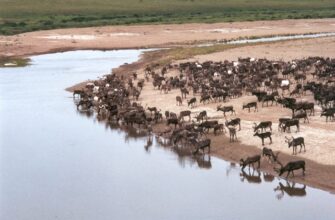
[[56, 163]]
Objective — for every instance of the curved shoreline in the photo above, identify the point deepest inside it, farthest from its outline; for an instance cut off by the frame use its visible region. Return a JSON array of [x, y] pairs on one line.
[[317, 175]]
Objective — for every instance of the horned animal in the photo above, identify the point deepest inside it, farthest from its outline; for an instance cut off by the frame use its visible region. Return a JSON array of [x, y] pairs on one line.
[[250, 161]]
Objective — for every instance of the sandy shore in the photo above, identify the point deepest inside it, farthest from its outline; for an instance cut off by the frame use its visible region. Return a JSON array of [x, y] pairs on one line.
[[119, 37], [320, 150]]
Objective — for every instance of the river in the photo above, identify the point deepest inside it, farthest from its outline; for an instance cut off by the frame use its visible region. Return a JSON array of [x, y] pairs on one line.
[[56, 163]]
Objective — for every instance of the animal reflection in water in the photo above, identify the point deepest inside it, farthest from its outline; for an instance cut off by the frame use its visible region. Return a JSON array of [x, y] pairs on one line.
[[185, 154], [290, 189], [253, 176]]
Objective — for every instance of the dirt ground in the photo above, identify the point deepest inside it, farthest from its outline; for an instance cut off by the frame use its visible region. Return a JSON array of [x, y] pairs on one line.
[[319, 135], [119, 37]]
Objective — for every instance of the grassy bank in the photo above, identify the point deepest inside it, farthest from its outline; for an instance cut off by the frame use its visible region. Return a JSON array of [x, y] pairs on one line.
[[17, 16]]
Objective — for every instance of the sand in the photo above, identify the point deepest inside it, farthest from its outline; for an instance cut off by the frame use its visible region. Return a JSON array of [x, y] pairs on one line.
[[144, 36], [319, 135]]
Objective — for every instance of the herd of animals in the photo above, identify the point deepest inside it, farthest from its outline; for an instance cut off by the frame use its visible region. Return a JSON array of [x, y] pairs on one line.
[[116, 99]]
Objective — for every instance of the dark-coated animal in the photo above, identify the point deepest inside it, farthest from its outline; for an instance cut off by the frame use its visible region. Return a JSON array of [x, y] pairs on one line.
[[250, 105], [263, 125], [250, 161], [234, 122], [291, 166], [290, 123], [192, 102], [202, 145], [267, 152], [295, 142], [263, 136], [225, 109]]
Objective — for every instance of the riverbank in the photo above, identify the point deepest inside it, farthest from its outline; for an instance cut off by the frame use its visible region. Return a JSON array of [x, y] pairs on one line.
[[151, 36], [320, 171]]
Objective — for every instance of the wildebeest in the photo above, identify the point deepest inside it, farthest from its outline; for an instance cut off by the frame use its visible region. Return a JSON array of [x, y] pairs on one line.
[[250, 161]]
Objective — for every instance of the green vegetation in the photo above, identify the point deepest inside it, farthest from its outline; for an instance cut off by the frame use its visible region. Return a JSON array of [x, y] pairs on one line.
[[17, 16], [14, 62]]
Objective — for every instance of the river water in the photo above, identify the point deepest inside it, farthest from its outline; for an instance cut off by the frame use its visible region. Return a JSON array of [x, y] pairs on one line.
[[56, 163]]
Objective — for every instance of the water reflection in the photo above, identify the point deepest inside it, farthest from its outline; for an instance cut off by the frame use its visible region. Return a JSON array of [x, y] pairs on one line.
[[64, 164], [252, 176], [290, 189]]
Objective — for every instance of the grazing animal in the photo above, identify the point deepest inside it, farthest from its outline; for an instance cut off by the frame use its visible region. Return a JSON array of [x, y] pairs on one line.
[[205, 98], [267, 152], [328, 113], [292, 122], [201, 116], [208, 125], [291, 166], [225, 109], [301, 115], [232, 134], [294, 142], [234, 122], [250, 105], [267, 99], [184, 92], [250, 161], [179, 100], [263, 136], [281, 123], [202, 145], [152, 109], [192, 102], [263, 125], [219, 127], [173, 121], [185, 114]]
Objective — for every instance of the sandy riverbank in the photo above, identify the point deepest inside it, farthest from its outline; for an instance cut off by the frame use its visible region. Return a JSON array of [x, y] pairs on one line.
[[319, 156], [152, 36]]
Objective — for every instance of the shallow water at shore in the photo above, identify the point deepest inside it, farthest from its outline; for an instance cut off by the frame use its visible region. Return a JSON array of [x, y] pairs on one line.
[[56, 163]]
